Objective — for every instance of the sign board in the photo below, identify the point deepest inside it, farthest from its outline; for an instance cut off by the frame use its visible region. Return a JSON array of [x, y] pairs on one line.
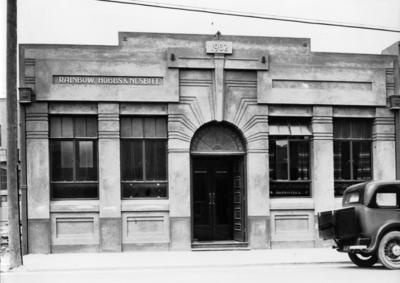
[[394, 102], [219, 47], [106, 80]]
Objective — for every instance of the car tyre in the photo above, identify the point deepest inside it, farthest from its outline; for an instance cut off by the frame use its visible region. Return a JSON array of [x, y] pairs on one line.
[[363, 260], [389, 250]]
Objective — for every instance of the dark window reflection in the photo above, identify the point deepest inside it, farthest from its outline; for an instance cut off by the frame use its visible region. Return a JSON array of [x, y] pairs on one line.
[[143, 157], [73, 157], [289, 162], [352, 152]]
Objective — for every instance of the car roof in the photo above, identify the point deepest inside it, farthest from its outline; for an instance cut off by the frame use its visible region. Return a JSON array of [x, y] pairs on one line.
[[370, 187]]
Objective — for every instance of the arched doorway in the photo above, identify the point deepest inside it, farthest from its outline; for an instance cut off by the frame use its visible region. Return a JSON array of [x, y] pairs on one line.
[[218, 185]]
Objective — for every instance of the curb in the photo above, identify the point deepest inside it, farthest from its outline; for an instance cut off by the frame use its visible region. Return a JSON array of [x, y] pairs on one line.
[[170, 267]]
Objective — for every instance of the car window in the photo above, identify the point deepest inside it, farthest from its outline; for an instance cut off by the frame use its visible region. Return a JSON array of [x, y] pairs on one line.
[[387, 196], [386, 199], [352, 197]]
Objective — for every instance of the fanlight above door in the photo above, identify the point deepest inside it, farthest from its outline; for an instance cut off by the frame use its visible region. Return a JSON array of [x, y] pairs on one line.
[[217, 138]]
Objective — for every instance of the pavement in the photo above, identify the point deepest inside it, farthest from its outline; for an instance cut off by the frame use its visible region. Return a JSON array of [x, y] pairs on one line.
[[174, 259]]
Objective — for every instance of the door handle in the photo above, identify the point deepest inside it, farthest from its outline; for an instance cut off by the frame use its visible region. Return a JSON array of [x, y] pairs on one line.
[[211, 198]]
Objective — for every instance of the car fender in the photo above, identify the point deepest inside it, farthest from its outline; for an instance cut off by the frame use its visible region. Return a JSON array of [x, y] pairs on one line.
[[387, 227]]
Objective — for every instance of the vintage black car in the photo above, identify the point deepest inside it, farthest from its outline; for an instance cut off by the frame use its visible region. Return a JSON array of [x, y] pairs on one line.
[[368, 225]]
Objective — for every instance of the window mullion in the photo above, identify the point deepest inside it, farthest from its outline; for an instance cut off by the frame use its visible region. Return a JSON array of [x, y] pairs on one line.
[[144, 159], [351, 160], [288, 160], [75, 159]]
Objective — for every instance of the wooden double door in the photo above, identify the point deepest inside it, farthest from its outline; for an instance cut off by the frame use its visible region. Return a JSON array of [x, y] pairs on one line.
[[218, 199]]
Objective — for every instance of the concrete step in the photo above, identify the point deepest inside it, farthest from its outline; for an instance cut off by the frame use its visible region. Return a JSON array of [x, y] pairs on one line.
[[220, 246]]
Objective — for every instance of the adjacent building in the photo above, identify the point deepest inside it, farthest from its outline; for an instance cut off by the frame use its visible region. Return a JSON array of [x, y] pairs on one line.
[[180, 142]]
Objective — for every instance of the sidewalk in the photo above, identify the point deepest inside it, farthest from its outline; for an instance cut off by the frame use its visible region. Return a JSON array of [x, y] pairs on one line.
[[173, 259]]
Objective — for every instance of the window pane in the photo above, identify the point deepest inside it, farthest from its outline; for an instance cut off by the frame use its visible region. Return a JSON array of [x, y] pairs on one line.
[[361, 160], [86, 164], [3, 179], [55, 127], [161, 127], [131, 160], [156, 152], [386, 199], [341, 129], [137, 127], [281, 160], [299, 160], [80, 127], [91, 126], [149, 127], [352, 129], [353, 197], [69, 191], [85, 126], [62, 160], [341, 153], [272, 165], [361, 129], [146, 190], [126, 127], [67, 127]]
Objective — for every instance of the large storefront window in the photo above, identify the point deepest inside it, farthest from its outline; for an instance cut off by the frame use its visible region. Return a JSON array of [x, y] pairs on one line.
[[289, 158], [144, 157], [352, 152], [73, 157]]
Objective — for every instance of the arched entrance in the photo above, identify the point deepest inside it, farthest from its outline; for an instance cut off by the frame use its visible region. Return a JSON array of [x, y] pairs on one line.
[[218, 187]]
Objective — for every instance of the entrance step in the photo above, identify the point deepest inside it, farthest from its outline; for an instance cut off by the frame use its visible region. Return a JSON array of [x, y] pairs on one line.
[[220, 246]]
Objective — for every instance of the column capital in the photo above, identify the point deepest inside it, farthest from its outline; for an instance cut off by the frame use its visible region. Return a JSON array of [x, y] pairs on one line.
[[108, 118]]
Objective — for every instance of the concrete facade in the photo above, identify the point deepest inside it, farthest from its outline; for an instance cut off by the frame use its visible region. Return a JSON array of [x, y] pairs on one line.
[[177, 77]]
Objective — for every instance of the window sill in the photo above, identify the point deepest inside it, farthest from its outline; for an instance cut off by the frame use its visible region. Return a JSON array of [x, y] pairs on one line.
[[291, 203], [74, 206], [145, 205]]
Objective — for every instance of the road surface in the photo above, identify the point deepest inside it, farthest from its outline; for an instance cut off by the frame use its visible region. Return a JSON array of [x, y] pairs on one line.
[[299, 273]]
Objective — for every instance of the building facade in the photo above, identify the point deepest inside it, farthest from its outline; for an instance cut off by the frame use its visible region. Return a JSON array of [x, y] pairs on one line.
[[180, 142]]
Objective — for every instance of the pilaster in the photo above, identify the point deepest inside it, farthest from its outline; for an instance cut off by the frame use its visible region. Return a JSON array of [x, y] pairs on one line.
[[109, 177], [179, 182], [219, 62], [383, 144], [256, 133], [322, 159], [38, 177]]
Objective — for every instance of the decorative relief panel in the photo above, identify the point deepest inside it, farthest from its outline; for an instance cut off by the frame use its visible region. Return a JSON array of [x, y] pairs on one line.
[[29, 72], [242, 109], [145, 227], [323, 85], [74, 228], [198, 106], [390, 84], [292, 225]]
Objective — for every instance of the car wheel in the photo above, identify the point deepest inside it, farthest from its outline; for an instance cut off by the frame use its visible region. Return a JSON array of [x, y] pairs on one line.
[[363, 260], [389, 250]]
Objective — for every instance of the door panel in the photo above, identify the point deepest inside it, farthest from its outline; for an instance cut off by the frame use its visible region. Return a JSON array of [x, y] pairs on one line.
[[222, 205], [201, 206], [238, 202], [217, 199]]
